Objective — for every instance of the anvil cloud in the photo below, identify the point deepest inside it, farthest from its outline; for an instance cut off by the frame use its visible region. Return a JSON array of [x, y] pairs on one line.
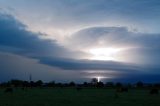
[[55, 37]]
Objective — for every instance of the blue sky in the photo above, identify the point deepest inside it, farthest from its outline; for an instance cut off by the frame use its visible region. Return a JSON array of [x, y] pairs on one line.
[[65, 40]]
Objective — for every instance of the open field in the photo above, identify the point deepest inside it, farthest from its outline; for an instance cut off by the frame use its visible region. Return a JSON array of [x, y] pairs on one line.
[[72, 97]]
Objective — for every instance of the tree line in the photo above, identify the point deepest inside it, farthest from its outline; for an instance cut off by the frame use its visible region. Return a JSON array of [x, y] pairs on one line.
[[93, 83]]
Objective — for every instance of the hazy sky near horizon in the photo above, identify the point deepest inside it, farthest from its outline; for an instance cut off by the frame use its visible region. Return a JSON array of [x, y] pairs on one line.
[[65, 40]]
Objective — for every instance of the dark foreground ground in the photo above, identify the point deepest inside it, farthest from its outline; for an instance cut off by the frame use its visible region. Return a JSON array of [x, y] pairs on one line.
[[72, 97]]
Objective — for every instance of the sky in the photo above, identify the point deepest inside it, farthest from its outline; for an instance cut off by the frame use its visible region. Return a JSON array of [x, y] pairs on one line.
[[77, 40]]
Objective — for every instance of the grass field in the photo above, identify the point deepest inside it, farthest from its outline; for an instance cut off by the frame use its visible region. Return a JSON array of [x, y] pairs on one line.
[[72, 97]]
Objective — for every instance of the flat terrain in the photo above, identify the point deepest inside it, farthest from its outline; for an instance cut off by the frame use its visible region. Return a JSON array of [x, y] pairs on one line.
[[72, 97]]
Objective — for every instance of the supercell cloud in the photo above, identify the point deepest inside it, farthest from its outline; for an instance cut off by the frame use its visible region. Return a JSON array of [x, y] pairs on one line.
[[56, 40]]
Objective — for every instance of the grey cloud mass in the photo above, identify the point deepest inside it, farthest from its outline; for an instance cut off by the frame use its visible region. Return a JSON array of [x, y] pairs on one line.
[[28, 44], [62, 14], [58, 35]]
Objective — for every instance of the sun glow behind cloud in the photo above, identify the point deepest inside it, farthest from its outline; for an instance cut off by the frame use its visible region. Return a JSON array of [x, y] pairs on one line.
[[101, 75], [105, 53]]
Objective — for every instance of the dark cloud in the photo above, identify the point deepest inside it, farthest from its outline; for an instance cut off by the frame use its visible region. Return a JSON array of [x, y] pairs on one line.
[[71, 64], [16, 39]]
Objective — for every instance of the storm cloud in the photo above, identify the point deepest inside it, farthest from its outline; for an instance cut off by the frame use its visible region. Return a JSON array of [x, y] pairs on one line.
[[60, 35], [16, 39]]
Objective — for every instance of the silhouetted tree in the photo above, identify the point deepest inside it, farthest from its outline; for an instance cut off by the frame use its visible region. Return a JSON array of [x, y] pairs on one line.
[[139, 84], [32, 84], [100, 84], [109, 84], [94, 81], [5, 84], [39, 83], [16, 83], [26, 84], [85, 84], [72, 83], [118, 84], [51, 84], [60, 85]]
